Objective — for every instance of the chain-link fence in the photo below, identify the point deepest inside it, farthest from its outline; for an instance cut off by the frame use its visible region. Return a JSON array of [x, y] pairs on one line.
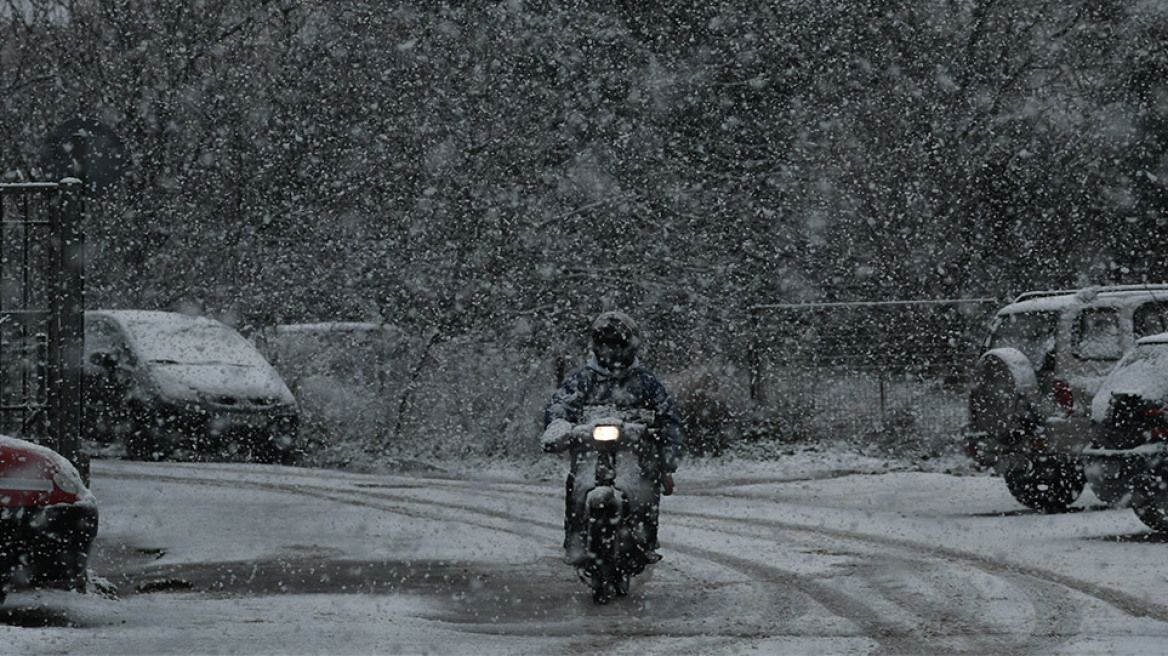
[[847, 370]]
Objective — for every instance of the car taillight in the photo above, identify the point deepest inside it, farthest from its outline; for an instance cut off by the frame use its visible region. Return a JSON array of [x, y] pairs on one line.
[[1157, 424], [69, 482], [976, 405], [1063, 398], [29, 479]]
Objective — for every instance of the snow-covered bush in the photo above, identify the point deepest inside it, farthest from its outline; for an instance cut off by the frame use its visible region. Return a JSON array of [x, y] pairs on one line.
[[711, 400], [369, 393]]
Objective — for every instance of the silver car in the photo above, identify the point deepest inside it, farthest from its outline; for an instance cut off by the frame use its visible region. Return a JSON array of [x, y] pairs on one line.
[[162, 382], [1127, 462]]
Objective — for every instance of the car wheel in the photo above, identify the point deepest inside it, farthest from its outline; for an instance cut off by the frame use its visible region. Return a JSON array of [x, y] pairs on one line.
[[1112, 493], [1110, 482], [1153, 515], [1047, 483], [140, 445], [140, 442], [235, 450], [275, 447], [270, 454], [6, 566], [285, 457], [1150, 501], [1001, 404]]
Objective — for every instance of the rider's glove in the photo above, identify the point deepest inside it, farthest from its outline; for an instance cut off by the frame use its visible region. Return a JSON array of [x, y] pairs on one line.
[[666, 484], [557, 436]]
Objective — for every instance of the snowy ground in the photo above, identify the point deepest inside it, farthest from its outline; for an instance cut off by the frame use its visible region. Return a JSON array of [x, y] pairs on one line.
[[806, 554]]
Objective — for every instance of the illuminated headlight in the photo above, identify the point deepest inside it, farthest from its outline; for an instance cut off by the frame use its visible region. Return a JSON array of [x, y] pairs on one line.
[[606, 433]]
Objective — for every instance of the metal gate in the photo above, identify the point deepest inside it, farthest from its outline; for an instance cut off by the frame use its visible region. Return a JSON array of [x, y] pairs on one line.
[[42, 278]]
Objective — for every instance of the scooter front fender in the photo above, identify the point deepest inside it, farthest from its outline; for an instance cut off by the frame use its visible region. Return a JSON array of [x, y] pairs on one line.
[[605, 501]]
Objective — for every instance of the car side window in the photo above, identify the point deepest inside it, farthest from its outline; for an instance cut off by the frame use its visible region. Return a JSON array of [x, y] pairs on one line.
[[1097, 335], [1150, 319]]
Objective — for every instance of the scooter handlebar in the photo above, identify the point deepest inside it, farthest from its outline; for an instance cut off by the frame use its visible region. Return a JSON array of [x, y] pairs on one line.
[[561, 435]]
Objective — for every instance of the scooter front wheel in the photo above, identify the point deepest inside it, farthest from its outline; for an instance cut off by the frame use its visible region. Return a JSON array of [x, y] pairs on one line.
[[622, 584], [604, 585]]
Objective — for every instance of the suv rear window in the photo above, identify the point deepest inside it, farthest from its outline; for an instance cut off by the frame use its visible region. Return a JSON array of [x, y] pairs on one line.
[[1032, 333]]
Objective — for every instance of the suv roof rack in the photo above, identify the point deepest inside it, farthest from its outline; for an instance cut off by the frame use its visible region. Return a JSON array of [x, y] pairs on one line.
[[1041, 294], [1091, 292]]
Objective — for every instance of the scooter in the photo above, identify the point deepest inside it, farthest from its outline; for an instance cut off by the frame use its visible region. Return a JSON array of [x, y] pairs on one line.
[[613, 487]]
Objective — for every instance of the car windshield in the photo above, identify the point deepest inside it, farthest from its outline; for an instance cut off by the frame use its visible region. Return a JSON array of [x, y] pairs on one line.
[[1032, 333], [187, 341]]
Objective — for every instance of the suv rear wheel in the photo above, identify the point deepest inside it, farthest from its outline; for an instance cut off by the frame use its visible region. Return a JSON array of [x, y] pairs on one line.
[[1154, 516], [1046, 483]]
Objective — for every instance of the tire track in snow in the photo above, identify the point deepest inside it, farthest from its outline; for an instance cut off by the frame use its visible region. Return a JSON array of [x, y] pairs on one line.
[[1127, 604], [1055, 614], [383, 499], [391, 498]]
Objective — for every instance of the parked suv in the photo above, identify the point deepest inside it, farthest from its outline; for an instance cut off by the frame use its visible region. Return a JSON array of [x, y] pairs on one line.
[[1045, 357]]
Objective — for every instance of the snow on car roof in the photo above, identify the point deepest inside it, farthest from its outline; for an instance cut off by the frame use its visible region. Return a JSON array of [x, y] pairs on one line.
[[158, 317], [10, 442], [1099, 297], [331, 326], [184, 338]]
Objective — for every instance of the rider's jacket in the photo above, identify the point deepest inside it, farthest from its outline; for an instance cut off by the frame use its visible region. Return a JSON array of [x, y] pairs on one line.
[[631, 389]]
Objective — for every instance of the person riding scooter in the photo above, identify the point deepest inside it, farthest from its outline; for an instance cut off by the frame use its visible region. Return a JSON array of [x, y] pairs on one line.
[[614, 377]]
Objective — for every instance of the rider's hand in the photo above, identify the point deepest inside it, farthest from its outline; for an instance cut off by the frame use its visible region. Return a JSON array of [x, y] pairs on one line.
[[667, 484], [557, 436]]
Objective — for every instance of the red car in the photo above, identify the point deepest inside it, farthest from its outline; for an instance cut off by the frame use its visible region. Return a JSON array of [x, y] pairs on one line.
[[48, 518]]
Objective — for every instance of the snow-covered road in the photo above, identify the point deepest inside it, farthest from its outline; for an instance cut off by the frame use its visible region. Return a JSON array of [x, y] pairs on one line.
[[763, 558]]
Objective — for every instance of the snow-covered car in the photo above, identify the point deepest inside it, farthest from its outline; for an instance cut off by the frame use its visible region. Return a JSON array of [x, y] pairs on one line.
[[162, 381], [48, 518], [1128, 460], [1044, 359]]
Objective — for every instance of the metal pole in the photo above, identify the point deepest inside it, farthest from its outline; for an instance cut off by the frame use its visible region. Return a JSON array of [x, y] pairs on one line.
[[69, 322]]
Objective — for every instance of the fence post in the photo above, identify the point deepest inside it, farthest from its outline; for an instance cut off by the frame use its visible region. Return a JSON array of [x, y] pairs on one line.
[[755, 358], [883, 397]]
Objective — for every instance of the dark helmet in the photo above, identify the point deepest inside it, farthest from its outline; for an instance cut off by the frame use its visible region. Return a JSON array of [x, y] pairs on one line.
[[615, 338]]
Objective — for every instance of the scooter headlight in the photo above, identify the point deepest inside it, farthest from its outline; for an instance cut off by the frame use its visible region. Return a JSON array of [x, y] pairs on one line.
[[606, 433]]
